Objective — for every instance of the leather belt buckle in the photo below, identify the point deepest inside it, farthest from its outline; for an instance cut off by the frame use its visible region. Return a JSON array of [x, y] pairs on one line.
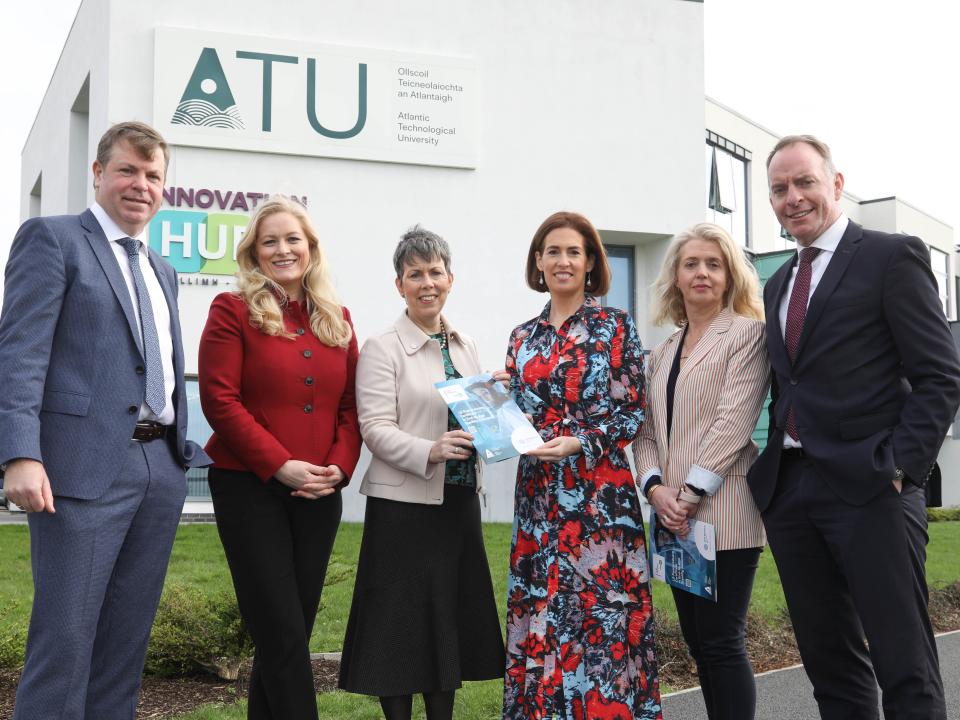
[[147, 431]]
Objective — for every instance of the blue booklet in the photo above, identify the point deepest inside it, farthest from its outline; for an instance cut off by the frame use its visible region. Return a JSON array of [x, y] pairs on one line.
[[484, 409], [688, 563]]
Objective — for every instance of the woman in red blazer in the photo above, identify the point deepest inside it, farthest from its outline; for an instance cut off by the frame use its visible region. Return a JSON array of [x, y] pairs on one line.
[[277, 361]]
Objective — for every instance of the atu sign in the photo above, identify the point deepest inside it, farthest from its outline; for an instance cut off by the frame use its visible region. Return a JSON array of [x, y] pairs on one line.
[[293, 97]]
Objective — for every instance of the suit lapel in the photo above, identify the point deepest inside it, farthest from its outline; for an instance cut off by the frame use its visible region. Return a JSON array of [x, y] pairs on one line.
[[108, 262], [777, 286], [661, 371], [718, 326], [846, 249]]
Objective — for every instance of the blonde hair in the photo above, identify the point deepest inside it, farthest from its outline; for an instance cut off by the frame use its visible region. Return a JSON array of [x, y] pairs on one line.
[[743, 286], [264, 296]]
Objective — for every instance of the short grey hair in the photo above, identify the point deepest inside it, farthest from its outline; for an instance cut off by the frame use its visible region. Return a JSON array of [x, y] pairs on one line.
[[420, 243], [823, 150]]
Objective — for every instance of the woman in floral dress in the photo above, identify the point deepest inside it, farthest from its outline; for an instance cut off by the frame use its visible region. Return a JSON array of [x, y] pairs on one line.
[[579, 626]]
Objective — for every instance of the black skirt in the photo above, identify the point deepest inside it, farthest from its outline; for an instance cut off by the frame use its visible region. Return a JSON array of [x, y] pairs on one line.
[[423, 617]]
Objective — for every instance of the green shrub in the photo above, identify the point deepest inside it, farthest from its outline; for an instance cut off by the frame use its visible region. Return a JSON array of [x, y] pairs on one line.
[[948, 514], [196, 632], [13, 636]]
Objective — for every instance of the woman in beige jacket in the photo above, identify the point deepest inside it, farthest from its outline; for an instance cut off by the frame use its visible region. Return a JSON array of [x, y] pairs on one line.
[[423, 617], [705, 386]]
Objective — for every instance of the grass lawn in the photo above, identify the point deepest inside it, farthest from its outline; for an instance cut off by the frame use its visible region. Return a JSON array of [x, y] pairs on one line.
[[198, 560], [943, 554], [476, 701]]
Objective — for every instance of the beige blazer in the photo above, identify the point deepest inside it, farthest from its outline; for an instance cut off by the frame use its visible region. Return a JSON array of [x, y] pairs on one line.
[[402, 414], [719, 393]]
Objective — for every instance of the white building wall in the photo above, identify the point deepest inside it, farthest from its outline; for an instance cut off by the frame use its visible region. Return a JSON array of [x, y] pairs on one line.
[[764, 229], [878, 214], [48, 144], [596, 108], [886, 214], [583, 106]]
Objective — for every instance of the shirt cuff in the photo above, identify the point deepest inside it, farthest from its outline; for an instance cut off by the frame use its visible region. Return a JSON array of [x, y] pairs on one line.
[[646, 480], [702, 479]]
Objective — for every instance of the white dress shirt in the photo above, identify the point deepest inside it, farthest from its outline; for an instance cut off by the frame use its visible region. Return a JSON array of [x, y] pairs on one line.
[[161, 311], [827, 243]]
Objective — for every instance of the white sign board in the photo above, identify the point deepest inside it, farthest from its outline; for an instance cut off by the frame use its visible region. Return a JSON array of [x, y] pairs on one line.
[[292, 97]]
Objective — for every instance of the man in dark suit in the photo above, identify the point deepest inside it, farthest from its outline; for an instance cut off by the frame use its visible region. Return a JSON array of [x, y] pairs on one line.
[[93, 419], [866, 381]]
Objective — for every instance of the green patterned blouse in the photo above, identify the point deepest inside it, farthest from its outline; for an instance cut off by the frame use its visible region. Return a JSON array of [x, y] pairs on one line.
[[459, 472]]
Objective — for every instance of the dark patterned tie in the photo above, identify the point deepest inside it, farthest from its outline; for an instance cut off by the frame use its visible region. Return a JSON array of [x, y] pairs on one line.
[[155, 395], [796, 313]]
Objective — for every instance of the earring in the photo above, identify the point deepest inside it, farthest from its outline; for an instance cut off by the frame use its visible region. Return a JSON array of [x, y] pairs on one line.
[[541, 278], [588, 278]]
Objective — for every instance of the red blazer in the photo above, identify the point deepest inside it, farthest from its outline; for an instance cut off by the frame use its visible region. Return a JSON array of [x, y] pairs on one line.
[[270, 399]]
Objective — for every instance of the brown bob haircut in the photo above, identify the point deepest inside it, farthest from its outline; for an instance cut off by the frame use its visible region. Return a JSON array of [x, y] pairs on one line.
[[599, 283]]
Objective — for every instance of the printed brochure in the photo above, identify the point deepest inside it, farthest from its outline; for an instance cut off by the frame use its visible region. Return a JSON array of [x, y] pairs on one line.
[[484, 409], [688, 563]]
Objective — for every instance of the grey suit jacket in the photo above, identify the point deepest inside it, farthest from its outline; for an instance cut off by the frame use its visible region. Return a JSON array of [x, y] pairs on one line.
[[71, 366]]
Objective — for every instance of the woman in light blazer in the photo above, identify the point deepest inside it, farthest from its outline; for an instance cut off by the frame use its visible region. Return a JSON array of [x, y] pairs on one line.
[[423, 617], [706, 384]]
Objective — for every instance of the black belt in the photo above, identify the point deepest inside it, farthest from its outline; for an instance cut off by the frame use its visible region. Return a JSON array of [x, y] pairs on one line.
[[794, 453], [147, 431]]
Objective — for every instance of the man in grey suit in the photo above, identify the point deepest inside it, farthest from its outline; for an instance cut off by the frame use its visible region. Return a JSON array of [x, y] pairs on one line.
[[93, 419]]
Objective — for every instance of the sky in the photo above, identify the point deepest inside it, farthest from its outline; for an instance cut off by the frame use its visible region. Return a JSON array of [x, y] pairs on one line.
[[877, 81]]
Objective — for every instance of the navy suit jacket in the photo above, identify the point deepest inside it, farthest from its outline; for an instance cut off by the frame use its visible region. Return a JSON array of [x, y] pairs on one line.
[[876, 382], [71, 365]]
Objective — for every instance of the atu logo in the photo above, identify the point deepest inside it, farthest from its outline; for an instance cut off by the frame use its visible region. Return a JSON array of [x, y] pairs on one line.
[[208, 100]]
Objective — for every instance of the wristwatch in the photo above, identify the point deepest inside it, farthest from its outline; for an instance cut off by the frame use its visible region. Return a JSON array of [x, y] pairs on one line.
[[900, 475], [691, 498]]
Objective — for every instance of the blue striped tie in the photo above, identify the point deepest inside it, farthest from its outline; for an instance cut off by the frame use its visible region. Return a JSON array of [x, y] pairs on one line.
[[151, 342]]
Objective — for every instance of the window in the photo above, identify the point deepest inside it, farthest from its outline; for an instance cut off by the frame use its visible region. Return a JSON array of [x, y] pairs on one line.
[[622, 272], [940, 263], [727, 201], [198, 430]]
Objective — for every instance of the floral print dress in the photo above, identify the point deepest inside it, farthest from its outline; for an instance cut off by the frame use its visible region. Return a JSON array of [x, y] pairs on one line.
[[579, 626]]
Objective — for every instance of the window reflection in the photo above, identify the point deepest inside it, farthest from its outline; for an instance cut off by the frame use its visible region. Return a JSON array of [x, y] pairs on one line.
[[727, 196], [622, 272]]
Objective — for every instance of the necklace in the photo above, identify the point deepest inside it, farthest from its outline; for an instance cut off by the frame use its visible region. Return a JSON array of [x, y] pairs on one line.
[[690, 342], [442, 338]]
